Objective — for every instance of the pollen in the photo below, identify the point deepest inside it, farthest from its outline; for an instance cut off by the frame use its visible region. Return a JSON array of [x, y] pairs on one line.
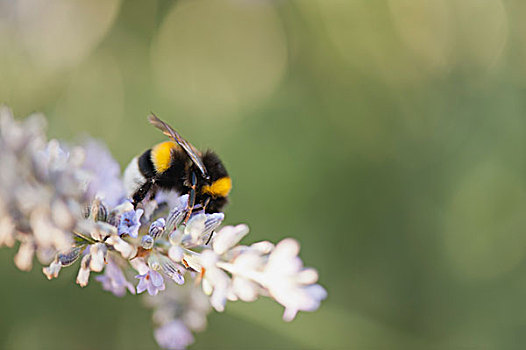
[[162, 155], [219, 188], [185, 263]]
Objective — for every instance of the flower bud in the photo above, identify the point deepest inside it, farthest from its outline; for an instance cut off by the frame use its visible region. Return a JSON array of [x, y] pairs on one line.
[[147, 242]]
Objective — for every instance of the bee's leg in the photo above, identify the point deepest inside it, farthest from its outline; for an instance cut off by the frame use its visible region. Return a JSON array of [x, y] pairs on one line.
[[207, 200], [153, 191], [141, 193], [191, 198]]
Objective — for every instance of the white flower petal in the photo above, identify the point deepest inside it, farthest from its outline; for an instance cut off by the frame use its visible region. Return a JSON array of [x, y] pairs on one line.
[[218, 299], [229, 236], [127, 251], [24, 257], [287, 248], [316, 293], [249, 261], [98, 256], [264, 247], [7, 229], [283, 259], [45, 233], [176, 253], [195, 320], [84, 271], [208, 259], [140, 266], [246, 290], [195, 227], [193, 261], [231, 295], [61, 215], [176, 237], [307, 276], [289, 314], [52, 270], [207, 287]]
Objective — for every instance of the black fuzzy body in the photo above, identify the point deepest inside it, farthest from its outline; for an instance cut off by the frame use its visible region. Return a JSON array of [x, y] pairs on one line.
[[177, 177]]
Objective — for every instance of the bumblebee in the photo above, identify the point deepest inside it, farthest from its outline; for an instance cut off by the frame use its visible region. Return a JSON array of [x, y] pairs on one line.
[[177, 165]]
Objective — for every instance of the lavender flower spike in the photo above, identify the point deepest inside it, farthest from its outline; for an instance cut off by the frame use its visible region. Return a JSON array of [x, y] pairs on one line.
[[151, 281], [59, 204]]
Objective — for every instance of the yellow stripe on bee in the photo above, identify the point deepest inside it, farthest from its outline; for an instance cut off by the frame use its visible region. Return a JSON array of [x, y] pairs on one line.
[[219, 188], [162, 155]]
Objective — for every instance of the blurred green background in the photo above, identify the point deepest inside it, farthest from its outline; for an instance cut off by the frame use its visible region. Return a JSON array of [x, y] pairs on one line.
[[386, 136]]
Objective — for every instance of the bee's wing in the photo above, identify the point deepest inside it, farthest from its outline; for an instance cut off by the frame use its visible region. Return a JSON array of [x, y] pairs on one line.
[[192, 152]]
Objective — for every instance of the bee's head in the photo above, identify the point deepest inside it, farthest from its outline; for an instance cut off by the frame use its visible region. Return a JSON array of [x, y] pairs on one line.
[[219, 184]]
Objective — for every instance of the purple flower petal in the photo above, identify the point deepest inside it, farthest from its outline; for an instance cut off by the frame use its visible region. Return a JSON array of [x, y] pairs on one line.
[[177, 278], [156, 278], [114, 281], [174, 335], [152, 290], [152, 281], [105, 173], [141, 287], [130, 222]]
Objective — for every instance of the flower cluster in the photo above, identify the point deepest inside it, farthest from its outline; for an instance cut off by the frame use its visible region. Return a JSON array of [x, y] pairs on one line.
[[58, 203], [41, 190]]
